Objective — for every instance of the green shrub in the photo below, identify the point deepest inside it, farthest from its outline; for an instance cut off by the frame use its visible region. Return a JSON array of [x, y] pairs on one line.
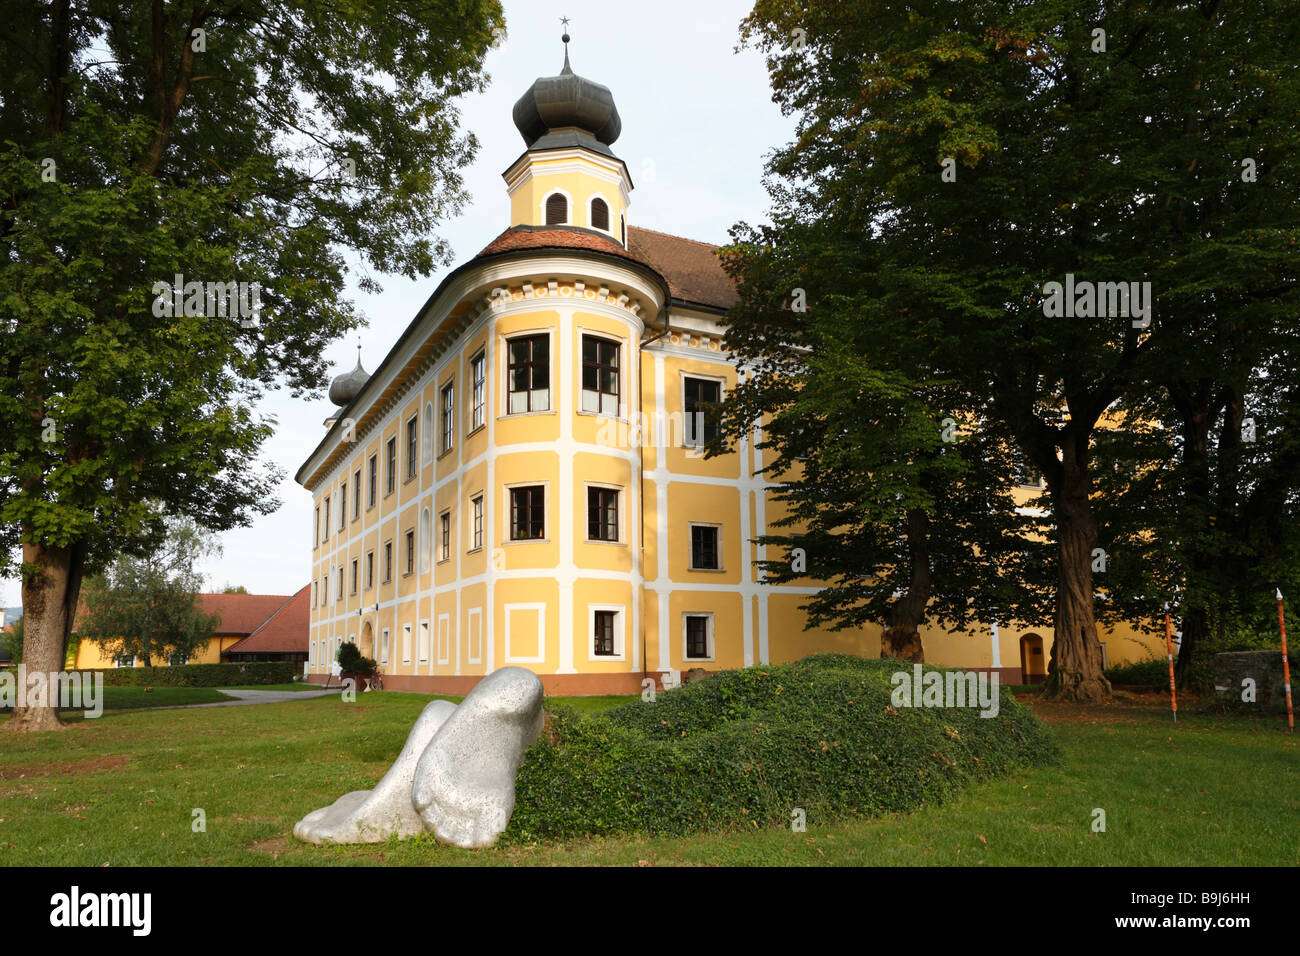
[[351, 661], [1152, 672], [746, 747], [203, 675]]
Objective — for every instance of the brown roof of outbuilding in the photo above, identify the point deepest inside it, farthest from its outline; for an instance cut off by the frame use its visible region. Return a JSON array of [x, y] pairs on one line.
[[241, 614], [284, 631], [692, 268]]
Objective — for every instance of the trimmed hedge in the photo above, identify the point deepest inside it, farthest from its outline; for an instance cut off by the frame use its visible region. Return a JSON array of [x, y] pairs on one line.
[[1152, 672], [744, 748], [200, 675]]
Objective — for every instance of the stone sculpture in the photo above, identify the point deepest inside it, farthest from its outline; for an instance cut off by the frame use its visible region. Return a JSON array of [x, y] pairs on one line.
[[455, 775]]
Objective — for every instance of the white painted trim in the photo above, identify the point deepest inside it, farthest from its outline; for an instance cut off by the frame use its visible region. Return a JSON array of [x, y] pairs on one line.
[[620, 633], [712, 643], [540, 608]]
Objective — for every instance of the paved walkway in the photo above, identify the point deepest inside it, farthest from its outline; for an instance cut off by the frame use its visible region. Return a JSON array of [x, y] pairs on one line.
[[246, 697]]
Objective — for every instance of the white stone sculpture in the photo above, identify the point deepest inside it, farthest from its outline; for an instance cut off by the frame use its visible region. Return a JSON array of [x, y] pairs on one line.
[[455, 776]]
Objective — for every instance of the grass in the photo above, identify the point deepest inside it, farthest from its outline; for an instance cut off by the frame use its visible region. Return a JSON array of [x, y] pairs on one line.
[[121, 790], [129, 697]]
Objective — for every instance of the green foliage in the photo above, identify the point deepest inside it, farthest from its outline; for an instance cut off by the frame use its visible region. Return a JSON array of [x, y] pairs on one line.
[[744, 748], [202, 675], [350, 659], [12, 641], [1152, 672], [148, 607]]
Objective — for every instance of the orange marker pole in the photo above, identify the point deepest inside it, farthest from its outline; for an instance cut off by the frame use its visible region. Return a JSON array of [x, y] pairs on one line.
[[1286, 666], [1169, 652]]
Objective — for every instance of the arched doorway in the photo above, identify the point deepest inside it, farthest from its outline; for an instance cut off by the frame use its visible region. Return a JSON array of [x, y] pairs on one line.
[[1033, 668], [367, 647]]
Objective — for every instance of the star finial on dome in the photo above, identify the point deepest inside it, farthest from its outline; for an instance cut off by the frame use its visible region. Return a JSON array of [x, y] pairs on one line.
[[564, 21]]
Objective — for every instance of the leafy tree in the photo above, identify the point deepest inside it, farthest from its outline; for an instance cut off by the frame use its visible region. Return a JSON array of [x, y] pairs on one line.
[[891, 496], [12, 640], [250, 143], [974, 153], [149, 607], [234, 589]]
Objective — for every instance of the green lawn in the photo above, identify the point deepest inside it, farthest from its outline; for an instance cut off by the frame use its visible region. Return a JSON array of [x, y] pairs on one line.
[[129, 697], [122, 790]]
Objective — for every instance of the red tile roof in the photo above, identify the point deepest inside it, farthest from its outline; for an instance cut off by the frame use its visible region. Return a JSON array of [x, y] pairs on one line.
[[692, 268], [284, 631], [241, 614], [556, 237]]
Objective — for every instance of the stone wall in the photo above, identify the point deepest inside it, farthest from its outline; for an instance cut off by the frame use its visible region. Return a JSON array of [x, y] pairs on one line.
[[1264, 667]]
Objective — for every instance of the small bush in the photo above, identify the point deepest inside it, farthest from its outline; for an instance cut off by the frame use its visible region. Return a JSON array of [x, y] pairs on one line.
[[1152, 672], [746, 747]]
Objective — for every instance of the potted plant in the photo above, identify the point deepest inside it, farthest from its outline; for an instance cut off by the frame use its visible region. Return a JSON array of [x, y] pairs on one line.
[[353, 665]]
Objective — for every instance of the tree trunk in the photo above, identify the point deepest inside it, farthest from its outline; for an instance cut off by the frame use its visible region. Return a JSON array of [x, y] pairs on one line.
[[902, 638], [1075, 672], [50, 594]]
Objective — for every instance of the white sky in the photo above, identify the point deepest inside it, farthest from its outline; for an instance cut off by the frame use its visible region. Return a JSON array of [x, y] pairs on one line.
[[698, 120]]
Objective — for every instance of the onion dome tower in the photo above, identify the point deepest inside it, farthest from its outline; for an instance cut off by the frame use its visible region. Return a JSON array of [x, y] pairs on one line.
[[347, 386], [568, 175]]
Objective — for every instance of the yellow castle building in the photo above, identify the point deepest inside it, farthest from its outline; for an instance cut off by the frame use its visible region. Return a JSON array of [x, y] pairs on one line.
[[520, 480]]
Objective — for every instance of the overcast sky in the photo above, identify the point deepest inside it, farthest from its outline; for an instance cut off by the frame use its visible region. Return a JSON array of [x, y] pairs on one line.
[[698, 120]]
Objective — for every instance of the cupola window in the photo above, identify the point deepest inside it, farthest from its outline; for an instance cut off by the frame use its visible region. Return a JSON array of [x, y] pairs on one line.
[[557, 209], [599, 214]]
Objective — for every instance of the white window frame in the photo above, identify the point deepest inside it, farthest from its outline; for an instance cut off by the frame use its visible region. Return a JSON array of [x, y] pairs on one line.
[[503, 370], [622, 512], [406, 643], [478, 395], [620, 628], [690, 543], [447, 417], [624, 374], [681, 390], [609, 208], [508, 523], [712, 646], [422, 643], [568, 208], [477, 512], [383, 646], [444, 553]]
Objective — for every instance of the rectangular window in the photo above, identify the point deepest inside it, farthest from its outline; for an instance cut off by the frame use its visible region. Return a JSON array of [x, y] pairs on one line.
[[448, 406], [406, 643], [324, 589], [391, 465], [527, 513], [383, 647], [529, 374], [697, 636], [370, 570], [343, 506], [599, 376], [700, 410], [356, 494], [412, 443], [315, 535], [327, 519], [477, 510], [478, 367], [602, 514], [444, 536], [314, 593], [410, 552], [704, 548], [354, 576], [372, 485], [604, 636], [338, 591], [388, 561]]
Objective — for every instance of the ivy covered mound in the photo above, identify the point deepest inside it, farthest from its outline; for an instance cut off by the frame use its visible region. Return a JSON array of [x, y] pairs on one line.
[[745, 748]]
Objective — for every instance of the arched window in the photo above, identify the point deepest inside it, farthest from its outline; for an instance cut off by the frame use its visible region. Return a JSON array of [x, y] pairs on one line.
[[426, 541], [427, 437], [599, 214], [557, 209], [622, 229]]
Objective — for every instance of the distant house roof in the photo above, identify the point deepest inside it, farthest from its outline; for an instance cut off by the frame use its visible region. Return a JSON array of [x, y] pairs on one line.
[[241, 614], [693, 270], [283, 632]]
